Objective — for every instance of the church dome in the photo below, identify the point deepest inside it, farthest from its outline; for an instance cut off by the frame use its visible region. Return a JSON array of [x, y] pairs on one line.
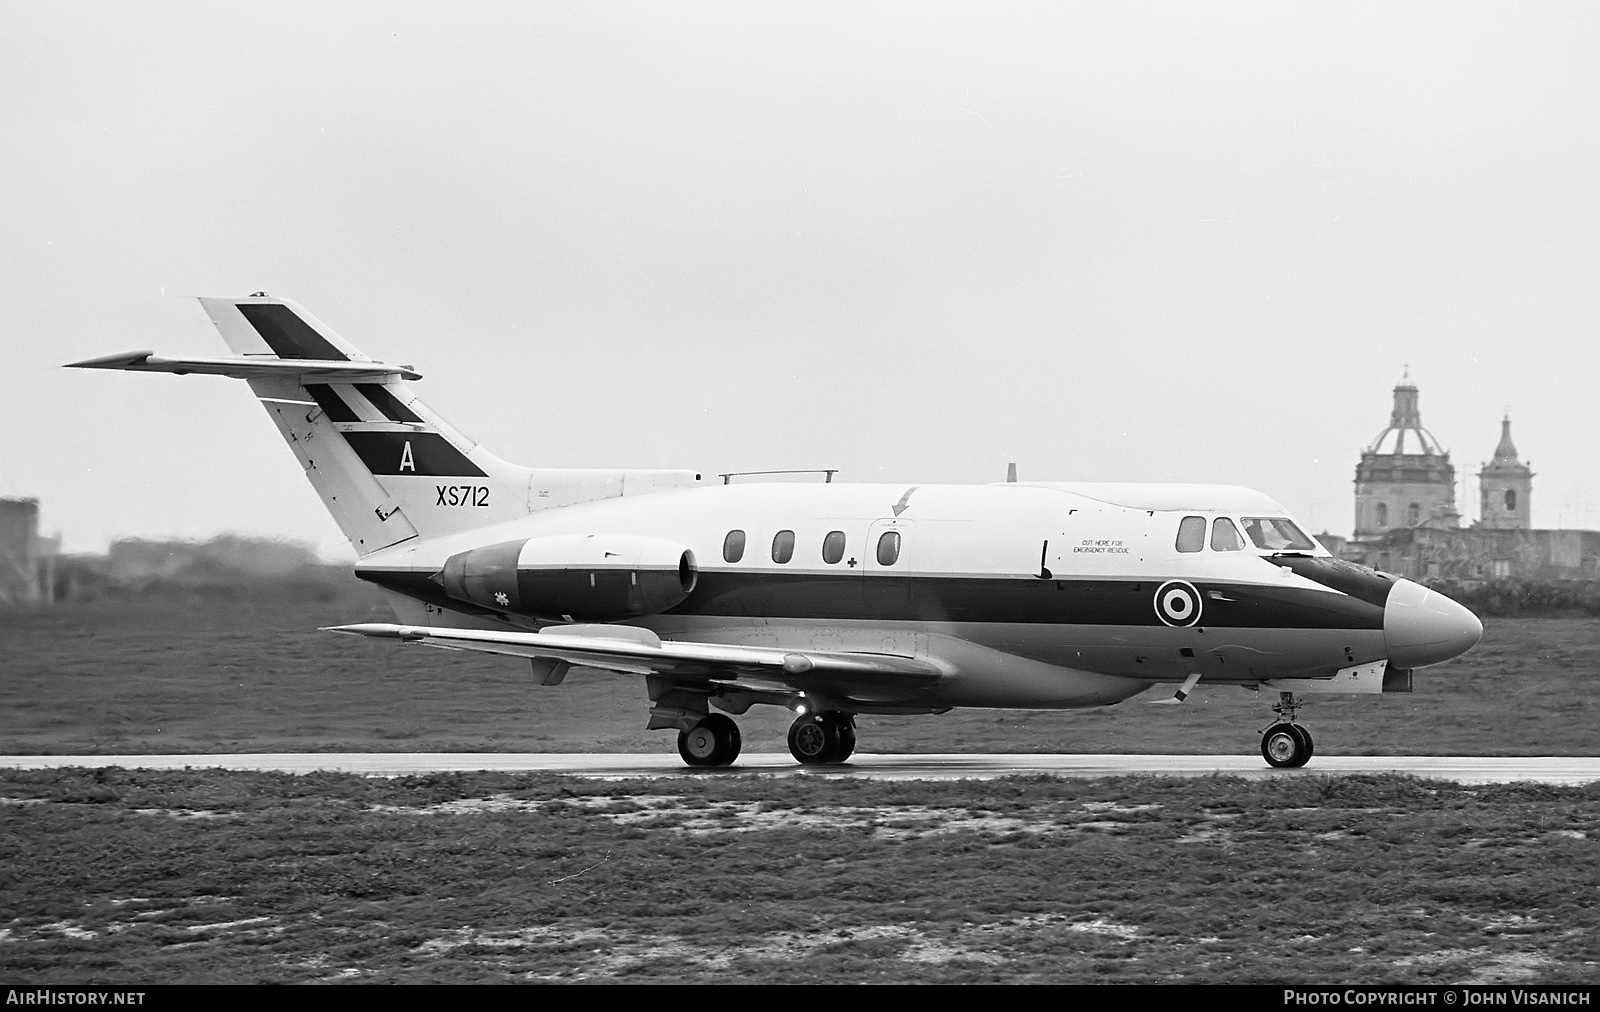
[[1405, 434]]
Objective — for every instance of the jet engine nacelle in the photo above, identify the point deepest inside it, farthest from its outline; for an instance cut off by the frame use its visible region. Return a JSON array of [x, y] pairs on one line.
[[573, 577]]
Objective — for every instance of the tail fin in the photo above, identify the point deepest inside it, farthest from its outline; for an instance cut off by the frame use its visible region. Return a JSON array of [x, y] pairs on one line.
[[386, 467]]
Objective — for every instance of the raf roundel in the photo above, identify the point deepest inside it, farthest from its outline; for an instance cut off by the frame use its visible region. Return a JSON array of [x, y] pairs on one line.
[[1178, 603]]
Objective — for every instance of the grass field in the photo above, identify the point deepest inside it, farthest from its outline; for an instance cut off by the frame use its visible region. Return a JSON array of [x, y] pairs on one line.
[[217, 675], [129, 877]]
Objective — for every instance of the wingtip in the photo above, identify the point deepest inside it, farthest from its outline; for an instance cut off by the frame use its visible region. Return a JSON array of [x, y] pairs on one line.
[[379, 630], [123, 360]]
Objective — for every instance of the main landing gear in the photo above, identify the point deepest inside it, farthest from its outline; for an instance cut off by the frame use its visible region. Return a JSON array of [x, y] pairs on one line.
[[1286, 744], [816, 739], [712, 742], [820, 739]]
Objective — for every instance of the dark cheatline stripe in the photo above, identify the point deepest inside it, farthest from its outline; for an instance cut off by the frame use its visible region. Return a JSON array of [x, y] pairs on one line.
[[331, 403], [386, 402], [286, 334], [1033, 601], [419, 453], [1347, 578], [981, 599]]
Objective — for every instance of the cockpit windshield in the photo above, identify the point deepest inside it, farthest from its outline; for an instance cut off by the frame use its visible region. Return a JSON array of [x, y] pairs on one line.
[[1277, 534]]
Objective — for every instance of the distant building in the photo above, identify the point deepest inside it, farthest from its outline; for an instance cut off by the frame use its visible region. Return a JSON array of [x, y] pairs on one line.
[[1506, 486], [23, 563], [1405, 478], [135, 559], [1485, 553], [1407, 522]]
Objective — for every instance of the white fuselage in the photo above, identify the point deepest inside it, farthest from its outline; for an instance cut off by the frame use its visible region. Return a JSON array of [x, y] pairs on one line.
[[1037, 595]]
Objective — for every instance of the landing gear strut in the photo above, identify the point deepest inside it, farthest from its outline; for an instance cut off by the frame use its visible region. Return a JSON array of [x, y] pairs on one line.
[[820, 739], [712, 742], [1286, 744]]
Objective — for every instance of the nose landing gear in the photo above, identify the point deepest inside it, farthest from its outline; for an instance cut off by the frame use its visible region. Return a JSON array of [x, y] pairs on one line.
[[1286, 745]]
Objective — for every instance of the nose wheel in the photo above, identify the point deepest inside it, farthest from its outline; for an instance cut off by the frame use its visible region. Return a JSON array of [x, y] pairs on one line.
[[821, 739], [1287, 746], [712, 742]]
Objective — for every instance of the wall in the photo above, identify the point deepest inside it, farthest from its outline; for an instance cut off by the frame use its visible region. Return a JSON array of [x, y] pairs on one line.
[[1479, 553]]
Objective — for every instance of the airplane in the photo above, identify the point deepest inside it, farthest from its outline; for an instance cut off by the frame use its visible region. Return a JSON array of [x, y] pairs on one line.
[[832, 599]]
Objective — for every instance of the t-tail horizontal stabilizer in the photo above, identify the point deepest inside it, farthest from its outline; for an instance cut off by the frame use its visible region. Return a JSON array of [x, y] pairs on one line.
[[245, 367]]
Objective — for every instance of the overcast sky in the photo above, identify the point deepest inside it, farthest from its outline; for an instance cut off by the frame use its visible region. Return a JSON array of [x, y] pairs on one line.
[[1109, 241]]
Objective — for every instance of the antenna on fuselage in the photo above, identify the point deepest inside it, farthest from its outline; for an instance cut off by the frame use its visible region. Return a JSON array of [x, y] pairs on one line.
[[1011, 471]]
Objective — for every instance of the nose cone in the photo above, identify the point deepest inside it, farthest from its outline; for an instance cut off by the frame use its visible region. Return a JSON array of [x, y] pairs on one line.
[[1421, 627]]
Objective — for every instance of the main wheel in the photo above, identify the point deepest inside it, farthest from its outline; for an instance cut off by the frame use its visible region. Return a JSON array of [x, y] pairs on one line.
[[814, 738], [712, 742], [1305, 738], [1286, 746], [847, 739]]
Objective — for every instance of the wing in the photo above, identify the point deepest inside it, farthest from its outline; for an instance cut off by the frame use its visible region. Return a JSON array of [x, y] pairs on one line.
[[839, 674]]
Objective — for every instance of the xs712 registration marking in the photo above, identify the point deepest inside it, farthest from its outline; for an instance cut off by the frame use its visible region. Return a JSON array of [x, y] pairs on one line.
[[462, 495]]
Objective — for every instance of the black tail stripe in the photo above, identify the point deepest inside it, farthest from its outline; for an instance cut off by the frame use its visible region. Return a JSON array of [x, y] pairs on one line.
[[386, 402], [331, 403], [286, 334], [414, 453]]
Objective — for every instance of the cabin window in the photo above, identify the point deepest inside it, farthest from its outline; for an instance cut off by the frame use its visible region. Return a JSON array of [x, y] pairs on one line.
[[888, 548], [783, 547], [1225, 537], [733, 546], [1192, 534], [833, 547], [1415, 514], [1511, 499], [1383, 514], [1277, 534]]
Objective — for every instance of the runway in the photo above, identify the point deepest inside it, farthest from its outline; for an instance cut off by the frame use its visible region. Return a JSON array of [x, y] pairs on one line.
[[946, 766]]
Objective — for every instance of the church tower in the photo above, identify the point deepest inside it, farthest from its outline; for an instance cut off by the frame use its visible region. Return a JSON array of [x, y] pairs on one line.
[[1405, 478], [1507, 487]]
